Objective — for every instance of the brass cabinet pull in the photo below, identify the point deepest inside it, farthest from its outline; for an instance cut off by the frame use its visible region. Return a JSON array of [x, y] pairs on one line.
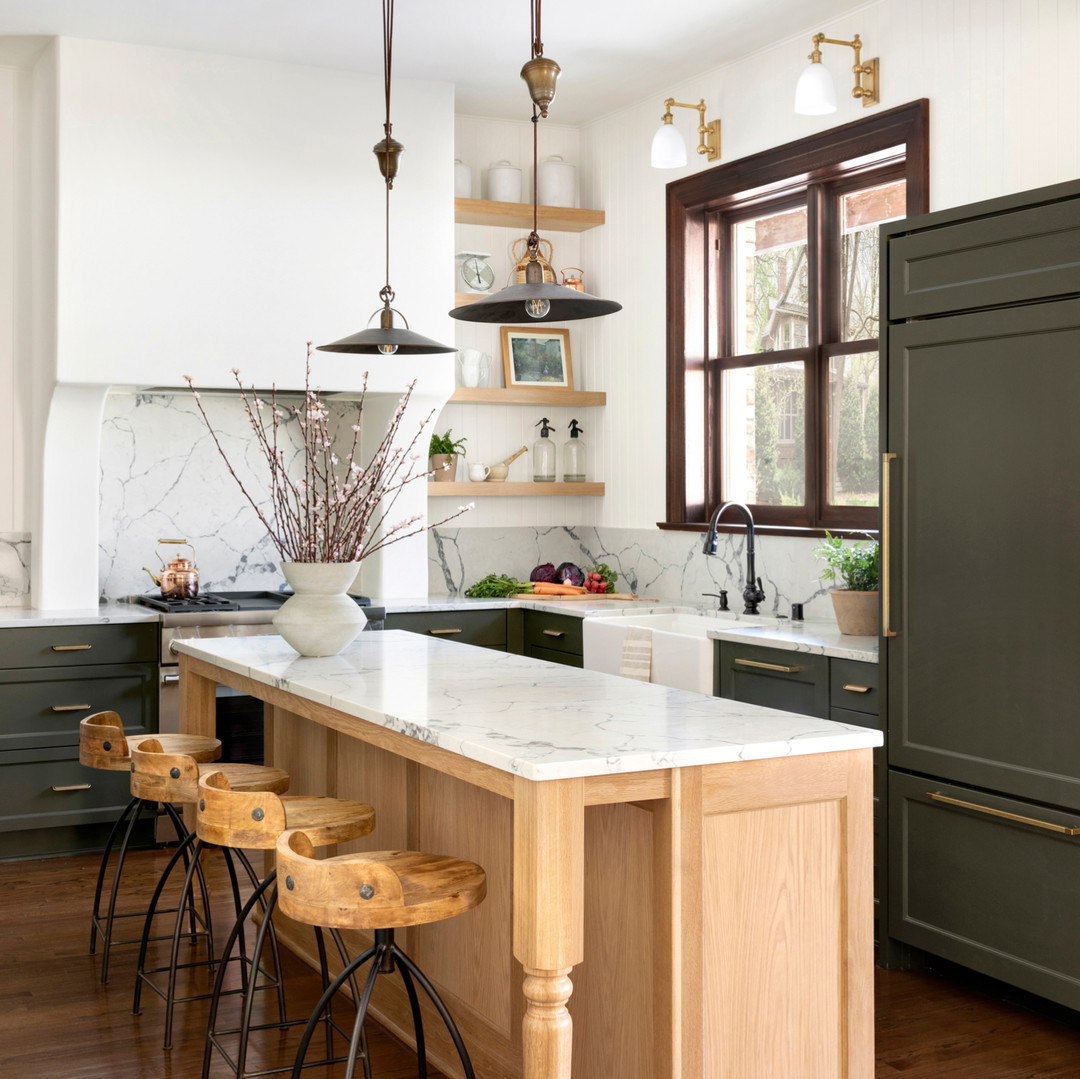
[[856, 689], [72, 787], [442, 632], [886, 558], [937, 796], [72, 647], [71, 708], [766, 666], [554, 633]]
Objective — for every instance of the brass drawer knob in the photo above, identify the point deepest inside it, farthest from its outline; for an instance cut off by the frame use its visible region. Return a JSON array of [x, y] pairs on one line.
[[857, 689], [554, 633], [72, 647]]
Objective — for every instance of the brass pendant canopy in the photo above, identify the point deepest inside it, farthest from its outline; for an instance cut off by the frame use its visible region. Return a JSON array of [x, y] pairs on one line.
[[540, 75]]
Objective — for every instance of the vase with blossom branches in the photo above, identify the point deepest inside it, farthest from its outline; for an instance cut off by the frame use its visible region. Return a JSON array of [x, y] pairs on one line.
[[330, 509]]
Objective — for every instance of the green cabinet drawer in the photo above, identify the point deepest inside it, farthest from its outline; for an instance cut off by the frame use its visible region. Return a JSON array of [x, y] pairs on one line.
[[484, 628], [990, 891], [42, 707], [77, 646], [774, 678], [552, 633], [1024, 254], [567, 659], [49, 788], [855, 685]]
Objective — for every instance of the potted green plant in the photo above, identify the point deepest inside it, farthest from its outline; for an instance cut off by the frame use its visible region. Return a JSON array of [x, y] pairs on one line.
[[858, 567], [444, 451]]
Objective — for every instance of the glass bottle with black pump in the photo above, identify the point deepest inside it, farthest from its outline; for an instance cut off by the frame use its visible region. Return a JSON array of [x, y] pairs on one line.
[[543, 454]]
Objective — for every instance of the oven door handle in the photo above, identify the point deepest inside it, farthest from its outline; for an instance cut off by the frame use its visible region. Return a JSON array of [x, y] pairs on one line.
[[170, 679]]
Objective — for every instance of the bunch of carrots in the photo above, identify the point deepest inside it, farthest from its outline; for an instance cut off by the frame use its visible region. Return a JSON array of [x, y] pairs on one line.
[[546, 588]]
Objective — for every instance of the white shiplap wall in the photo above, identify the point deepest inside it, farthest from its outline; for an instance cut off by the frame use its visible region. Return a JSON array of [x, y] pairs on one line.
[[494, 433]]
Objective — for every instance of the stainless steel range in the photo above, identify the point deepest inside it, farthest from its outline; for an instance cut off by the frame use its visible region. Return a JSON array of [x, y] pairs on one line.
[[217, 614]]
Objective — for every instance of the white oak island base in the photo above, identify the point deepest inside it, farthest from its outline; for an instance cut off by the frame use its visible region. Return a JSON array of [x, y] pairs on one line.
[[708, 922]]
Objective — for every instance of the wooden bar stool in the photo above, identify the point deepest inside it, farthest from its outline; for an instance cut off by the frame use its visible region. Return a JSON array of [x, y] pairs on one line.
[[380, 891], [104, 746], [237, 818], [173, 778]]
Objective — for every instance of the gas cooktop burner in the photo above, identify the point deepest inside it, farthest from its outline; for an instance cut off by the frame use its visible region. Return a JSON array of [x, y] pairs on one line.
[[206, 602]]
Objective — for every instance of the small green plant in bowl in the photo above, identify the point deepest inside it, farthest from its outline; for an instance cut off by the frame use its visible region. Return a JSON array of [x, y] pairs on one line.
[[857, 568]]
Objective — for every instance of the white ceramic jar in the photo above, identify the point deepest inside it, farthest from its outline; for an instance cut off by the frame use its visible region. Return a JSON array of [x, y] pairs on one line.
[[557, 182], [462, 180], [504, 182]]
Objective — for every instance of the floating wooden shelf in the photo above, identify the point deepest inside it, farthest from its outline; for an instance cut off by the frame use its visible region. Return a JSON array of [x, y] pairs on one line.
[[506, 490], [520, 215], [462, 298], [527, 395]]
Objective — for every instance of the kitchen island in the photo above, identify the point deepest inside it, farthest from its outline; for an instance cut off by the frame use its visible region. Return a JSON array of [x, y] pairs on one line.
[[697, 872]]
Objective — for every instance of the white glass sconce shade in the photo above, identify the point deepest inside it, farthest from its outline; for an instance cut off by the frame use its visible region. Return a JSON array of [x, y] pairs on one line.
[[668, 148], [815, 94]]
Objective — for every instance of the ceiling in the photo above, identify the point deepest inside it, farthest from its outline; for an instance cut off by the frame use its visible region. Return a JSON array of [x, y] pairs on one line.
[[611, 51]]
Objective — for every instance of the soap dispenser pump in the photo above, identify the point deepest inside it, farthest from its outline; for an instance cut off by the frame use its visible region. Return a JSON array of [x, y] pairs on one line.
[[574, 455], [543, 455]]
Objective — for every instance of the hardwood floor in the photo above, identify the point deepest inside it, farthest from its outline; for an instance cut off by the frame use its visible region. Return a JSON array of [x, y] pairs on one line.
[[57, 1020]]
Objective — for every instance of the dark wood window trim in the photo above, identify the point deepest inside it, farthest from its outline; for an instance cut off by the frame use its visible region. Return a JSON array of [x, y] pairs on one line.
[[693, 211]]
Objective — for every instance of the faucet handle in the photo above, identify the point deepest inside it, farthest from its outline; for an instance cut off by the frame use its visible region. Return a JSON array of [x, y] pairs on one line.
[[721, 596]]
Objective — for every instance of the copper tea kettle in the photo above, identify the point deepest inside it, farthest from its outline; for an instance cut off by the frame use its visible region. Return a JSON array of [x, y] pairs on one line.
[[179, 578]]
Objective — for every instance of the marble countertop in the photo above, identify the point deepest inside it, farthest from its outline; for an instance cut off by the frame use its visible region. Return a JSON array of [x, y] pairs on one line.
[[17, 617], [526, 716]]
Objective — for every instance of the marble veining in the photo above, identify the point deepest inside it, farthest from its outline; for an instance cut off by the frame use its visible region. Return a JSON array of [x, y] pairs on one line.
[[94, 616], [14, 569], [526, 716], [651, 562]]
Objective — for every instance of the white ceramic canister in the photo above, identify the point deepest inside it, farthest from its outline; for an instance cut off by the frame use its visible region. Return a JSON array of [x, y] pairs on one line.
[[504, 182], [557, 182], [462, 180]]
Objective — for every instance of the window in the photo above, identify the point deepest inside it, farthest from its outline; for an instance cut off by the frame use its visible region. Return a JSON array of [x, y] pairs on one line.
[[773, 323]]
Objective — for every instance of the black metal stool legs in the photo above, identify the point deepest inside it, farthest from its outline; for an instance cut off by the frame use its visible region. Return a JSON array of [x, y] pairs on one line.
[[386, 957]]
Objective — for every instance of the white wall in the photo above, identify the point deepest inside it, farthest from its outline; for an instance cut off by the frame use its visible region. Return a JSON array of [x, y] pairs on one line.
[[1003, 93], [195, 213]]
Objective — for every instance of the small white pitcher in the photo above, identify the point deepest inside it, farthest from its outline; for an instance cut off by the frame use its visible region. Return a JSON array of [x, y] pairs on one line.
[[474, 367], [478, 473]]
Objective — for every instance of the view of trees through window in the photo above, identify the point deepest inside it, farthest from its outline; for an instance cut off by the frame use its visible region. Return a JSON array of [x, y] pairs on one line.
[[764, 444]]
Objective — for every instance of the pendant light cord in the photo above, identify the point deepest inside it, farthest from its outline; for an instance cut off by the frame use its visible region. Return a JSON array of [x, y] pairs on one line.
[[534, 29], [537, 50], [387, 293]]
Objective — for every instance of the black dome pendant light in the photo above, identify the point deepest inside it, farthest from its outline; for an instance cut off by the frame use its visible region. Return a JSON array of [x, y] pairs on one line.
[[536, 300], [387, 339]]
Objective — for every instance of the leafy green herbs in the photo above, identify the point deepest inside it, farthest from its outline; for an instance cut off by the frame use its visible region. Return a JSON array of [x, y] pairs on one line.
[[494, 586]]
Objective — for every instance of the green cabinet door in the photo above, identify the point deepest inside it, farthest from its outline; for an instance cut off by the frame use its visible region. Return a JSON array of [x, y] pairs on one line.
[[774, 678], [984, 680]]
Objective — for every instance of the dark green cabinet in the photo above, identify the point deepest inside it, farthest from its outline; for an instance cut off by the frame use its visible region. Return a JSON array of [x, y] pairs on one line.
[[50, 678], [774, 678], [486, 628], [980, 387], [554, 637]]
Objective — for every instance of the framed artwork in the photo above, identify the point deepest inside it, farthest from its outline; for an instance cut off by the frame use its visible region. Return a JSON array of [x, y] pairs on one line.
[[537, 356]]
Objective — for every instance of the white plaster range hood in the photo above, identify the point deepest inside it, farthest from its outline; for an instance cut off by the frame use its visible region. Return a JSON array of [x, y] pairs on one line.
[[204, 213]]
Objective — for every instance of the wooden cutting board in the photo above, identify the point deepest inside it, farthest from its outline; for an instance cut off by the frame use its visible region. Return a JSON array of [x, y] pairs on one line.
[[587, 595]]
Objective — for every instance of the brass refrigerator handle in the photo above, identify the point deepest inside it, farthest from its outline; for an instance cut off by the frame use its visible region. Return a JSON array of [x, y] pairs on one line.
[[886, 556], [766, 666], [442, 632], [937, 796]]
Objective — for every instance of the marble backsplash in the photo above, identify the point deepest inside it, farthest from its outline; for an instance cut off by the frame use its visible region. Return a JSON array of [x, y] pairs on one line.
[[14, 569], [161, 476], [652, 562]]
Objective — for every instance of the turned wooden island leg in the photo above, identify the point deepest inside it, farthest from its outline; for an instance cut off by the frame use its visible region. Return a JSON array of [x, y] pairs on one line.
[[549, 905]]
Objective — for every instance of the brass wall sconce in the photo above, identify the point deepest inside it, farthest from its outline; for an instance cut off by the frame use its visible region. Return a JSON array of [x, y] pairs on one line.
[[668, 148], [815, 94]]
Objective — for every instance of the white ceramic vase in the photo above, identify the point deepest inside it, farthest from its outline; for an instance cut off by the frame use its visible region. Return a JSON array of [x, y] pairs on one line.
[[320, 618]]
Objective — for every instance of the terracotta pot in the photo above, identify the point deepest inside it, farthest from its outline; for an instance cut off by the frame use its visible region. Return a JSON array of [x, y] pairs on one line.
[[444, 475], [320, 618], [857, 613]]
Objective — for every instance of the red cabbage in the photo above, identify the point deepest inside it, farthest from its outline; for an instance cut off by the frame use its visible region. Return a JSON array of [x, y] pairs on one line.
[[545, 572], [568, 573]]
